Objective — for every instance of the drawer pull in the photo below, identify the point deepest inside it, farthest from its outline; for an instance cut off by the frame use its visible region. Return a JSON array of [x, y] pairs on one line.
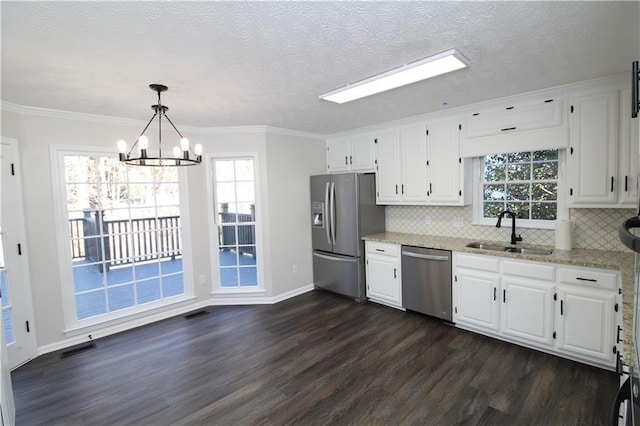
[[506, 129], [591, 280], [380, 250]]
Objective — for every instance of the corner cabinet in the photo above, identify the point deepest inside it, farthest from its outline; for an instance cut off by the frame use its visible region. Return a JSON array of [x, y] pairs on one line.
[[351, 154], [567, 311], [383, 273], [602, 160]]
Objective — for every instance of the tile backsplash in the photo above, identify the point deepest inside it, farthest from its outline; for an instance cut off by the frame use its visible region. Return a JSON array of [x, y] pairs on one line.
[[593, 228]]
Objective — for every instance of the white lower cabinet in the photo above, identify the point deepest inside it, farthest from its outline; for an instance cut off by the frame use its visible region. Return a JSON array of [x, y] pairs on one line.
[[383, 273], [568, 311], [527, 309], [476, 299]]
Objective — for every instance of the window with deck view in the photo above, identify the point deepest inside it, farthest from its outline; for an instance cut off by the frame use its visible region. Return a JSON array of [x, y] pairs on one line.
[[525, 183], [125, 234]]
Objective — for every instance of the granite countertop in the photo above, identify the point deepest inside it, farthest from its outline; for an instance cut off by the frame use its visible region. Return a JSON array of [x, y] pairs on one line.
[[616, 260]]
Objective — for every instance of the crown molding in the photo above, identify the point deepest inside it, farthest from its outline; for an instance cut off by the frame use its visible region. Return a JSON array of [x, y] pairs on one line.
[[104, 119]]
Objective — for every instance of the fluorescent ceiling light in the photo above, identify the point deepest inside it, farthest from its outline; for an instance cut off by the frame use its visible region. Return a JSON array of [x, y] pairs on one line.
[[410, 73]]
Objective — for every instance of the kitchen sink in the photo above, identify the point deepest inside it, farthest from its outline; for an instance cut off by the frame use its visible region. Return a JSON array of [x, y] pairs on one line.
[[509, 249]]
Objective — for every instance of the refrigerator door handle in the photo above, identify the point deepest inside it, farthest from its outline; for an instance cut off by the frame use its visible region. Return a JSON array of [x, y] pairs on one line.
[[327, 221], [337, 259], [332, 197]]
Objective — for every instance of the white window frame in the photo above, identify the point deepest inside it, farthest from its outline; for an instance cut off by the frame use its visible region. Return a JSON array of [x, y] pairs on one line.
[[73, 326], [216, 287], [478, 199]]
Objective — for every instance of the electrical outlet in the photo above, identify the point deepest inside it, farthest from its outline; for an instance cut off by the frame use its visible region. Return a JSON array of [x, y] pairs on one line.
[[294, 269], [202, 279], [427, 220], [458, 222]]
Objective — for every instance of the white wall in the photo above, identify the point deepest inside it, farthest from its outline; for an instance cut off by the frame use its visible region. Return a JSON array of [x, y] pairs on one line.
[[291, 162], [285, 163]]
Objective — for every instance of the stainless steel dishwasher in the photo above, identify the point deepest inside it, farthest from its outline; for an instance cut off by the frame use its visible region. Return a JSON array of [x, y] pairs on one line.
[[426, 281]]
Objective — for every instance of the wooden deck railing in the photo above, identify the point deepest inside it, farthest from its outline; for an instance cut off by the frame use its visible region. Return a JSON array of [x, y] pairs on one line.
[[125, 240]]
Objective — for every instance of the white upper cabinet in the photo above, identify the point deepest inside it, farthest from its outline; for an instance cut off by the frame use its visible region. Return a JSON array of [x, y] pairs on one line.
[[628, 166], [351, 154], [529, 124], [401, 174], [592, 161], [449, 174], [420, 164], [602, 161]]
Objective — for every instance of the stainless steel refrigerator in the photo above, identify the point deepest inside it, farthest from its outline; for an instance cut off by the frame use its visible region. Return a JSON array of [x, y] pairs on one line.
[[343, 210]]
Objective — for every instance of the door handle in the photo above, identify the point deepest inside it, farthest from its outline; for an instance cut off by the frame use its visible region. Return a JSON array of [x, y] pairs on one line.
[[327, 219], [504, 296], [395, 273], [561, 307], [332, 197], [495, 293], [424, 256]]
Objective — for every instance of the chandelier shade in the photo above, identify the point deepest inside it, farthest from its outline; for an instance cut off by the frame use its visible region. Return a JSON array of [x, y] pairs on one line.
[[182, 155]]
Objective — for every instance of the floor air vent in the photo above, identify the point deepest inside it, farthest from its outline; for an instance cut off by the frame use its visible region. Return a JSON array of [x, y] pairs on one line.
[[195, 314], [78, 350]]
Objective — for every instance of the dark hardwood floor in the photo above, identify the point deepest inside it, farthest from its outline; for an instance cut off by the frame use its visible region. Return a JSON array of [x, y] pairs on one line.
[[314, 359]]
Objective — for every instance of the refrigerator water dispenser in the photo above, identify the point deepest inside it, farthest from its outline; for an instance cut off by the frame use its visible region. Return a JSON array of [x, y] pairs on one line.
[[317, 209]]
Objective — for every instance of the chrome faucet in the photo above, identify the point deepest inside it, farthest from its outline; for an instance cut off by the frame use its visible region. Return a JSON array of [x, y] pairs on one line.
[[514, 238]]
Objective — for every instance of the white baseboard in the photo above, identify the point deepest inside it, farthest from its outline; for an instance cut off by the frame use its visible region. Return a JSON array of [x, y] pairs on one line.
[[96, 333]]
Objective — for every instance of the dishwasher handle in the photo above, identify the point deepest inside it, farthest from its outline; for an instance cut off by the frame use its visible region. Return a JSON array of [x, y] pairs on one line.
[[424, 256]]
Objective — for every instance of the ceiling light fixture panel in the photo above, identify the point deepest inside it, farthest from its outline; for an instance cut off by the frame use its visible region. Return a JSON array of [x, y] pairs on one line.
[[439, 64]]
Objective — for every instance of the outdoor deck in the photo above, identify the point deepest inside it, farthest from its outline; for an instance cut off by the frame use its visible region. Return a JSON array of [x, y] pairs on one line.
[[154, 280]]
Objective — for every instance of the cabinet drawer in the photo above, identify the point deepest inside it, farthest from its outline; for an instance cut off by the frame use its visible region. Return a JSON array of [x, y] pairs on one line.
[[529, 270], [383, 248], [596, 278], [480, 262]]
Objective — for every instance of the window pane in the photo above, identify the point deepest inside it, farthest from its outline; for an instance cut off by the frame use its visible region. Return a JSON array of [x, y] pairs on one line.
[[228, 257], [544, 171], [246, 192], [91, 304], [120, 297], [519, 157], [544, 211], [4, 289], [519, 172], [225, 192], [518, 191], [248, 277], [148, 291], [172, 285], [226, 236], [244, 170], [520, 209], [544, 191], [493, 209], [495, 173], [494, 192], [229, 277], [224, 170], [550, 154]]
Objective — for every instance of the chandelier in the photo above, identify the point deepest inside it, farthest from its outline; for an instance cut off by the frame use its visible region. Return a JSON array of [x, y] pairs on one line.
[[181, 154]]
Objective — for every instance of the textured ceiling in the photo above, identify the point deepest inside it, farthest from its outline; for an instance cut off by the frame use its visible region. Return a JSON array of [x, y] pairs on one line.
[[265, 63]]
